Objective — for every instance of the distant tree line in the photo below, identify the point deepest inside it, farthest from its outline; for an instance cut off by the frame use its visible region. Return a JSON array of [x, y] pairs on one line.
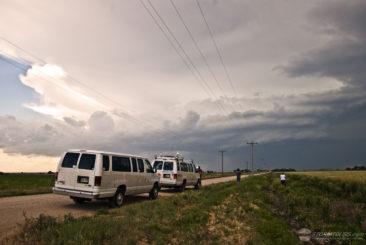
[[26, 173], [242, 170], [357, 168], [284, 170]]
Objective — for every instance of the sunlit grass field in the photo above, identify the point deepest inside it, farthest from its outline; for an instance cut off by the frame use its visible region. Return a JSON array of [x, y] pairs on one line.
[[25, 184], [356, 176]]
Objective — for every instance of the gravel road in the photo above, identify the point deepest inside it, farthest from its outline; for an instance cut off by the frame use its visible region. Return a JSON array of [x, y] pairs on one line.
[[13, 209]]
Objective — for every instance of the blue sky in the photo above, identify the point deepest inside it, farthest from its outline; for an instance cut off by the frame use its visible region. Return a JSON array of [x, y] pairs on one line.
[[13, 92], [292, 77]]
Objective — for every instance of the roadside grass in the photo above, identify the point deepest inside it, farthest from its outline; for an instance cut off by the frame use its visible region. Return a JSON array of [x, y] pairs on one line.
[[322, 204], [224, 213], [25, 184]]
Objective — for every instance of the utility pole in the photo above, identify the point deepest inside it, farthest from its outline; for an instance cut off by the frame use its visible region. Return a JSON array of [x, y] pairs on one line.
[[222, 162], [252, 146]]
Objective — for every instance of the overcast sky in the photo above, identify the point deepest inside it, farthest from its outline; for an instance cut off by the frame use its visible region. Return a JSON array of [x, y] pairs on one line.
[[153, 78]]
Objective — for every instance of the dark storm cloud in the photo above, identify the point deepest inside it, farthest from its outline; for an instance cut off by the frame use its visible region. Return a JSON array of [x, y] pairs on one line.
[[341, 112], [343, 58]]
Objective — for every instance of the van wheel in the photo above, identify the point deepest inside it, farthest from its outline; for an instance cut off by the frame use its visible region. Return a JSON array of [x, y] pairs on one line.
[[117, 200], [197, 185], [154, 193], [183, 187], [78, 200]]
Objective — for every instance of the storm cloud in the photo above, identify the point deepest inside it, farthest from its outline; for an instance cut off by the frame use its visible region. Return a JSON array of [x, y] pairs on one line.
[[298, 69]]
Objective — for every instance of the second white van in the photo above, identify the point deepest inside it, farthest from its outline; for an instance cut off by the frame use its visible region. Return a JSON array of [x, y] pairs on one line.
[[175, 172]]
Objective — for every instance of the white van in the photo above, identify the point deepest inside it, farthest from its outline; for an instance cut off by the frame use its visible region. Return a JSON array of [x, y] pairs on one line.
[[174, 172], [87, 174]]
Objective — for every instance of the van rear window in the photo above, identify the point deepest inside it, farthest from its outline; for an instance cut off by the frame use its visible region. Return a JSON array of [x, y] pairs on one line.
[[70, 160], [168, 165], [158, 165], [87, 161]]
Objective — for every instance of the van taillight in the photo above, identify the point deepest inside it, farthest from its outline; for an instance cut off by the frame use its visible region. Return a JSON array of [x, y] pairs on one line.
[[56, 176], [175, 176], [98, 180]]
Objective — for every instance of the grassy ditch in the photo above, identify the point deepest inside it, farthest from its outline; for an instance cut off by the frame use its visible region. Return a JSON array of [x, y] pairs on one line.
[[25, 184], [225, 213], [322, 204]]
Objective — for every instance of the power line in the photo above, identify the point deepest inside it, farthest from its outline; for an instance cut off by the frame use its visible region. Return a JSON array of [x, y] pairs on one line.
[[197, 46], [181, 48], [199, 51], [217, 49]]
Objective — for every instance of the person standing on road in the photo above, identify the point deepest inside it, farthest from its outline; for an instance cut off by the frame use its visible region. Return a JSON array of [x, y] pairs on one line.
[[238, 173], [199, 171], [283, 179]]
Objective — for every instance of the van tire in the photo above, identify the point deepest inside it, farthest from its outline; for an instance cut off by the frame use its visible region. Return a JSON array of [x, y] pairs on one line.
[[198, 184], [118, 199], [154, 192], [182, 188], [78, 200]]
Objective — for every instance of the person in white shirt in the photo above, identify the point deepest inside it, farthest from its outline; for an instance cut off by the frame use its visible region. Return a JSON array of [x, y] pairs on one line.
[[283, 179]]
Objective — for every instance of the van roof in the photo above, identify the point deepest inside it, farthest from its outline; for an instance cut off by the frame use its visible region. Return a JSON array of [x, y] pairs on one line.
[[103, 152]]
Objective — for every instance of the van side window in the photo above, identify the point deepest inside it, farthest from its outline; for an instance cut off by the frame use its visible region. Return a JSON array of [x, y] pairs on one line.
[[168, 165], [134, 164], [141, 165], [105, 163], [70, 159], [184, 167], [87, 161], [194, 168], [148, 166], [121, 164], [178, 166]]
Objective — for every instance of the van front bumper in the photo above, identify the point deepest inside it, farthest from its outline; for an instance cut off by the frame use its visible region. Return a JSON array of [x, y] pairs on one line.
[[75, 193]]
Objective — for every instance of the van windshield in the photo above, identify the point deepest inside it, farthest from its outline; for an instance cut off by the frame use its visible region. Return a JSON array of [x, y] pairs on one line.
[[158, 165], [168, 166], [87, 161], [70, 160]]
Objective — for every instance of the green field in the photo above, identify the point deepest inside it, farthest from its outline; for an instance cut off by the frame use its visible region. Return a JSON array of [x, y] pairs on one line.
[[25, 184]]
